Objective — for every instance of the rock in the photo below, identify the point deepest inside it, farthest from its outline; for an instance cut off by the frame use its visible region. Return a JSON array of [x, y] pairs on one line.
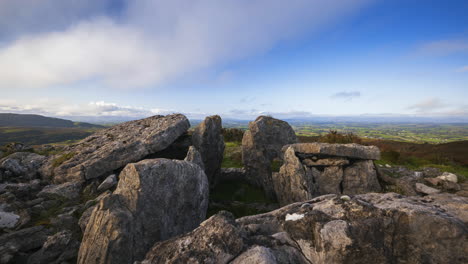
[[326, 162], [208, 140], [261, 145], [217, 240], [194, 156], [294, 182], [8, 219], [256, 255], [154, 200], [16, 244], [451, 203], [17, 147], [59, 248], [367, 228], [297, 181], [23, 165], [351, 151], [108, 183], [232, 174], [64, 191], [447, 176], [424, 189], [360, 177], [111, 149], [88, 210]]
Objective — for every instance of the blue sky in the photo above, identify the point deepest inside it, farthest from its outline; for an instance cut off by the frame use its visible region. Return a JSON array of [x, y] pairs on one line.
[[237, 58]]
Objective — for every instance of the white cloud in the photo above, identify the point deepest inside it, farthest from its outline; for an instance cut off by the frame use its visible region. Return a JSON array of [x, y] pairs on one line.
[[463, 69], [347, 96], [428, 105], [444, 47], [157, 41]]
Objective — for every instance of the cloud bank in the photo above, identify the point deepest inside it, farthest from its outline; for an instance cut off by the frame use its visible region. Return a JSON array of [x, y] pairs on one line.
[[347, 96], [149, 42]]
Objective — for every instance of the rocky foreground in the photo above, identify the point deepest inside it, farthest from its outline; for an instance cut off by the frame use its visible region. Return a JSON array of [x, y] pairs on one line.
[[138, 193]]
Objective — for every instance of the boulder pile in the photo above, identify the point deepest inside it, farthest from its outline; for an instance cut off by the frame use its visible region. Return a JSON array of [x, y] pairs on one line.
[[139, 192], [313, 169]]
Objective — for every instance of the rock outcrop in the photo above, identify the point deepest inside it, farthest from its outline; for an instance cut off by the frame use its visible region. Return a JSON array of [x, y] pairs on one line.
[[313, 169], [261, 145], [208, 140], [154, 200], [110, 149], [368, 228], [20, 166]]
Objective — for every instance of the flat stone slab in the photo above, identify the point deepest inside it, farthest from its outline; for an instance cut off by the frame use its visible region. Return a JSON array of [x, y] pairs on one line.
[[352, 151]]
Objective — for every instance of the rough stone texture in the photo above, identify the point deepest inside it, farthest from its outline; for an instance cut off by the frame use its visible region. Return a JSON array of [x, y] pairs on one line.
[[64, 191], [208, 140], [456, 205], [8, 219], [110, 149], [294, 182], [217, 240], [14, 246], [360, 177], [21, 166], [262, 144], [326, 162], [424, 189], [194, 156], [154, 200], [256, 255], [59, 248], [447, 176], [368, 228], [352, 151], [108, 183], [297, 181]]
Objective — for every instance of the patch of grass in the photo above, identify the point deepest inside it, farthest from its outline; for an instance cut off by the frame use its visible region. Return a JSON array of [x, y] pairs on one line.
[[58, 161], [238, 191], [333, 136], [276, 165], [232, 155]]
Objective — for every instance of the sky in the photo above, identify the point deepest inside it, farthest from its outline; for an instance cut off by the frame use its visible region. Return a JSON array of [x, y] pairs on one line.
[[236, 58]]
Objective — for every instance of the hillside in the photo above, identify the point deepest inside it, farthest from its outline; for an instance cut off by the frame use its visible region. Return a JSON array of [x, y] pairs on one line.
[[21, 120]]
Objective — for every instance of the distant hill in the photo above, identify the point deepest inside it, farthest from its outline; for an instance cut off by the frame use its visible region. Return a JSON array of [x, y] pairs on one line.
[[22, 120]]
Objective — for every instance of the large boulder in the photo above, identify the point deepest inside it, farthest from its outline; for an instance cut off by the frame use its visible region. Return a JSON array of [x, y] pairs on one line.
[[208, 140], [154, 200], [61, 247], [110, 149], [261, 145], [21, 166], [305, 175], [367, 228]]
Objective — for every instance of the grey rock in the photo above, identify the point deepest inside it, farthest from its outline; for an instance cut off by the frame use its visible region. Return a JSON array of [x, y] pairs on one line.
[[208, 140], [217, 240], [64, 191], [294, 182], [261, 145], [447, 176], [194, 156], [367, 228], [19, 243], [424, 189], [256, 255], [108, 183], [88, 210], [326, 162], [23, 165], [8, 219], [360, 177], [58, 248], [298, 182], [154, 200], [352, 151], [111, 149]]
